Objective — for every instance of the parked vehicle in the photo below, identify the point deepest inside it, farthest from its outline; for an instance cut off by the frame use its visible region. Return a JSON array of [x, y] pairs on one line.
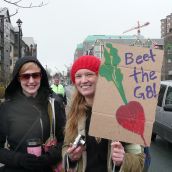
[[163, 117]]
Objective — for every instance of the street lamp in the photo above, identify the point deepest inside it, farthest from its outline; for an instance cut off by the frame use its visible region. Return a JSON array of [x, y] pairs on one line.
[[19, 23], [31, 50]]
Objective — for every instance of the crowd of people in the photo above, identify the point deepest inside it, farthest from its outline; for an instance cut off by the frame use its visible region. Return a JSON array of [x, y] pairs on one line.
[[28, 114]]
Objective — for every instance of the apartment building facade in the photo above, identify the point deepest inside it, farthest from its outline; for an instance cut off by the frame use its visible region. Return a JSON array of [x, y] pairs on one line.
[[9, 46], [166, 34], [5, 47], [93, 44]]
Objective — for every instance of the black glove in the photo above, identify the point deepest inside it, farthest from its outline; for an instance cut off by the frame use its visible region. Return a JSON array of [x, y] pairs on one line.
[[45, 161], [29, 161], [17, 159]]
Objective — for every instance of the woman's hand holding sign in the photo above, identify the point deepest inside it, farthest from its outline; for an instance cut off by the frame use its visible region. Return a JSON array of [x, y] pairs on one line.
[[117, 153]]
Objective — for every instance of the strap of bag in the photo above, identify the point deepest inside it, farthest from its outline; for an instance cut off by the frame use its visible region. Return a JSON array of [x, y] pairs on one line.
[[51, 114], [26, 134], [30, 129]]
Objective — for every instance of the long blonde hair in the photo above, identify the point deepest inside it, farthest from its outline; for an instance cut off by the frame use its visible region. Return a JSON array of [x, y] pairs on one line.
[[77, 110]]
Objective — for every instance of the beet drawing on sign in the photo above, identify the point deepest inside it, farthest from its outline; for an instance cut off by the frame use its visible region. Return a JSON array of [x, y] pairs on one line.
[[131, 115], [126, 93]]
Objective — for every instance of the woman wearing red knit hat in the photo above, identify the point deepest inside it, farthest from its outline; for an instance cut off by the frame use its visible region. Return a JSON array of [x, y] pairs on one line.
[[87, 153]]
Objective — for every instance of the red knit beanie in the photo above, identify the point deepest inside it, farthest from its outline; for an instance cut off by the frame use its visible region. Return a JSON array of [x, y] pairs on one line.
[[85, 62]]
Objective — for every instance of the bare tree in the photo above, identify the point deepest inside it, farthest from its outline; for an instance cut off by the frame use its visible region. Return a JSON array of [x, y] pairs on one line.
[[19, 4], [22, 4]]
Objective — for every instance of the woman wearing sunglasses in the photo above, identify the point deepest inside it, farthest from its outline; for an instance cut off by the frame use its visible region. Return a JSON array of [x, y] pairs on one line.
[[24, 116]]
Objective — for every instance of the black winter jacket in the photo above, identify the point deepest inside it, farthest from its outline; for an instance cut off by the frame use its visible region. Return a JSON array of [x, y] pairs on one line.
[[23, 118]]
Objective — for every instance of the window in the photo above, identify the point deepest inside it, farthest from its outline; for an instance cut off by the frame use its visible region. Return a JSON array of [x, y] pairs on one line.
[[161, 95], [169, 61], [11, 62], [168, 99]]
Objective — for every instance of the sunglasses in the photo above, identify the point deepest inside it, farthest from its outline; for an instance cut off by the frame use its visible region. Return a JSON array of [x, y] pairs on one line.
[[26, 76]]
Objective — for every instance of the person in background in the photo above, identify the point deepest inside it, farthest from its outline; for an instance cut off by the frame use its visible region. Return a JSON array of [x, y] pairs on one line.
[[58, 89], [97, 154], [24, 116]]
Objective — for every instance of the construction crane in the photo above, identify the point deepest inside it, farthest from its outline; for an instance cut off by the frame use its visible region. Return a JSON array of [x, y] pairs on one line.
[[137, 27]]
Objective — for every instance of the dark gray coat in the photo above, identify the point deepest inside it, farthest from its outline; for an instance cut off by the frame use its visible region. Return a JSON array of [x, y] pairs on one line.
[[23, 118]]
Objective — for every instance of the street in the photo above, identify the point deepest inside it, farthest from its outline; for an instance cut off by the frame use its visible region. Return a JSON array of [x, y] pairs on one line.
[[161, 153], [69, 89]]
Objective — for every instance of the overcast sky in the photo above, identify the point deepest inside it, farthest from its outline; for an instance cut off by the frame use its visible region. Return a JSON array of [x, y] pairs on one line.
[[58, 27]]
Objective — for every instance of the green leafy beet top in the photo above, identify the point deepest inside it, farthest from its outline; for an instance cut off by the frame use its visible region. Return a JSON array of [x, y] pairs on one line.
[[110, 70]]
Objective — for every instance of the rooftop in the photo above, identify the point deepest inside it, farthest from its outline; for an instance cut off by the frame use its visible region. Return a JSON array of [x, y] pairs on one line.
[[92, 38]]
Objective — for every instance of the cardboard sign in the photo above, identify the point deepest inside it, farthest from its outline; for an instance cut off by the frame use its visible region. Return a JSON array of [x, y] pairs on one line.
[[126, 94]]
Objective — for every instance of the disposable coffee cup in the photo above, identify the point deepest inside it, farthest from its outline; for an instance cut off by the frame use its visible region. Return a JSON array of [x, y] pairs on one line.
[[34, 146]]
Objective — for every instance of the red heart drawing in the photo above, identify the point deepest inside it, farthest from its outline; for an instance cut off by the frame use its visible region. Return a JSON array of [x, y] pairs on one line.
[[131, 117]]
